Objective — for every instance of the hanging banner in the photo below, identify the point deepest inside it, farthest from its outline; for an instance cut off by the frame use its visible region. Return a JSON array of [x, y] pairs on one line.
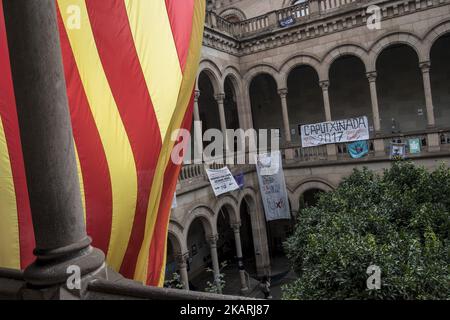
[[272, 186], [222, 181], [287, 22], [358, 149], [240, 180], [341, 131], [414, 146], [398, 151]]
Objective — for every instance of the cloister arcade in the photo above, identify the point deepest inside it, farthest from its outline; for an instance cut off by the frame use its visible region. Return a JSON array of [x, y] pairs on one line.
[[235, 232], [393, 83], [400, 80]]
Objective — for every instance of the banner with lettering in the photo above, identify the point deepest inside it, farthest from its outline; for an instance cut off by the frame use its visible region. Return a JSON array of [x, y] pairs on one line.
[[272, 185], [222, 181], [340, 131]]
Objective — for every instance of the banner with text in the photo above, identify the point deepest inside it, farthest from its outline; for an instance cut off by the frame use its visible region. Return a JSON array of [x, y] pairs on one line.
[[222, 181], [273, 186], [340, 131]]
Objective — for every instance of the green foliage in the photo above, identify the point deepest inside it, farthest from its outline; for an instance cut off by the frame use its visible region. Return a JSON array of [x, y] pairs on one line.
[[399, 221], [219, 283], [174, 283]]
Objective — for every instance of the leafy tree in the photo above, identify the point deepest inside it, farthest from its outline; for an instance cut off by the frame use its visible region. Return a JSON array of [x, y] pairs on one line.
[[398, 221]]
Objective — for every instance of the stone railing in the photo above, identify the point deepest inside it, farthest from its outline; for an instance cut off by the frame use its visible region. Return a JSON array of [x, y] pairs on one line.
[[404, 139], [254, 25], [191, 171], [326, 5], [306, 154], [276, 19], [296, 11], [379, 149], [311, 19], [225, 26], [444, 139]]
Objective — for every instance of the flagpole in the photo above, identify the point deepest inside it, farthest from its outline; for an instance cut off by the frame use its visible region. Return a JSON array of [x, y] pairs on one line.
[[62, 244]]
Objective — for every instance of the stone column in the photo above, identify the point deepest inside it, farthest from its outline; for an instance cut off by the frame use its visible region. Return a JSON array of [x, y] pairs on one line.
[[331, 148], [198, 131], [378, 143], [432, 137], [237, 237], [289, 153], [326, 99], [247, 118], [314, 9], [223, 123], [47, 143], [372, 77], [284, 110], [425, 67], [214, 257], [182, 267]]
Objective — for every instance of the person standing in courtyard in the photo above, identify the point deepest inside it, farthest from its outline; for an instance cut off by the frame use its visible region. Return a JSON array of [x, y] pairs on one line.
[[265, 287]]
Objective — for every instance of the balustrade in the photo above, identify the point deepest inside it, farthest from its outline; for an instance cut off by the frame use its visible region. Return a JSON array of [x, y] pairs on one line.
[[274, 19]]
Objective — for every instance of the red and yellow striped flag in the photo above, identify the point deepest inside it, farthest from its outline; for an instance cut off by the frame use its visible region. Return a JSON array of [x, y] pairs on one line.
[[130, 68]]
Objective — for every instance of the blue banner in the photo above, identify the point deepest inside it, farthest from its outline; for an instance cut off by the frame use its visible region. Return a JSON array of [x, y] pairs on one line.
[[358, 149], [240, 180]]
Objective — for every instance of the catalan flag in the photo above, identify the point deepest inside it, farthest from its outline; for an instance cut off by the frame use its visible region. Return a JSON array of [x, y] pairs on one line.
[[130, 68]]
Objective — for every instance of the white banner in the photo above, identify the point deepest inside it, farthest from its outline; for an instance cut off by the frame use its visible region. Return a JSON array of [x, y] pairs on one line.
[[273, 186], [222, 181], [349, 130]]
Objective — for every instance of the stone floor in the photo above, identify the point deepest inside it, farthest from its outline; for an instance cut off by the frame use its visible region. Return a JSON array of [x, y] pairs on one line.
[[281, 275]]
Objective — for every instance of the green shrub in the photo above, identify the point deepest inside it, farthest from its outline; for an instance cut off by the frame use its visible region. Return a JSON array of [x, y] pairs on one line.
[[398, 221]]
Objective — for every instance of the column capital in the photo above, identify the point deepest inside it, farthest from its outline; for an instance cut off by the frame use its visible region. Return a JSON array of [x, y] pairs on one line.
[[196, 95], [236, 227], [324, 84], [212, 239], [283, 92], [182, 258], [372, 76], [425, 66], [220, 97]]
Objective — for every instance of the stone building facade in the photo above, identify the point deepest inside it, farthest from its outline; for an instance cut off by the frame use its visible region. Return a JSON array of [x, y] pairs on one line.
[[278, 64]]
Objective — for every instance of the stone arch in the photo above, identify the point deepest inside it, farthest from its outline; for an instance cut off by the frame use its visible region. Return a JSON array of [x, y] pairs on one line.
[[433, 35], [233, 74], [340, 51], [314, 183], [248, 193], [296, 61], [175, 235], [235, 78], [214, 74], [294, 205], [269, 76], [250, 197], [206, 216], [385, 41], [233, 12], [230, 203], [260, 69]]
